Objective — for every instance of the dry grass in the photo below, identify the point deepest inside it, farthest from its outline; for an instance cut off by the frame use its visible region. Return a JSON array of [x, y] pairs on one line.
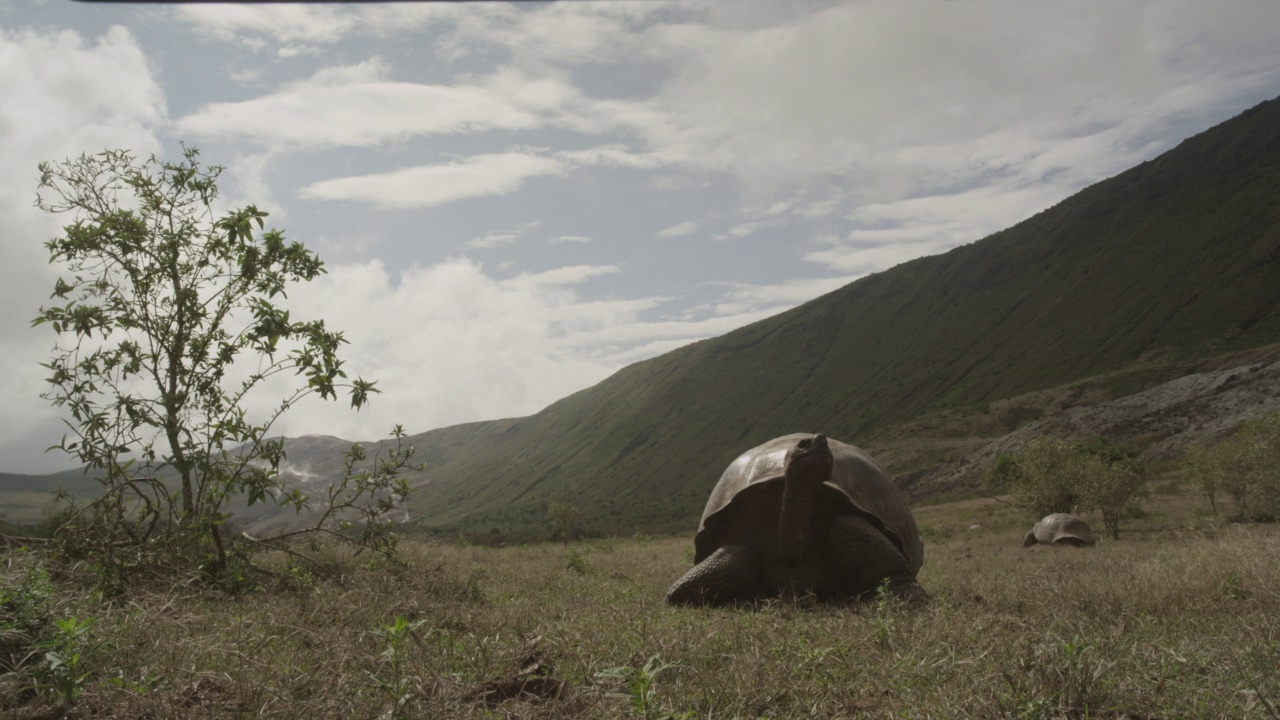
[[1171, 621]]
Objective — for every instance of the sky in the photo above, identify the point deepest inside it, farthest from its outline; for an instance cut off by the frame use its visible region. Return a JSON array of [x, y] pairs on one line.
[[514, 201]]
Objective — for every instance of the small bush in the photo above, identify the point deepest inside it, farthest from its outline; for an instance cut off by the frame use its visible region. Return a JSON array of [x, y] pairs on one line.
[[1245, 466], [564, 520], [1052, 476], [1046, 477], [25, 615], [1113, 488], [576, 561], [62, 671]]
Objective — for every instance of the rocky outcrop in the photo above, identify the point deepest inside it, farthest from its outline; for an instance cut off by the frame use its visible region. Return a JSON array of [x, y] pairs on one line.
[[1161, 421]]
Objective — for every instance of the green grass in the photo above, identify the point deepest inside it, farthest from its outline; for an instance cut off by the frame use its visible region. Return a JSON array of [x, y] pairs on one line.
[[1178, 619]]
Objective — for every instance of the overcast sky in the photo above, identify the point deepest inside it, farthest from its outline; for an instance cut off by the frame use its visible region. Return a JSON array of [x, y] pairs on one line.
[[515, 201]]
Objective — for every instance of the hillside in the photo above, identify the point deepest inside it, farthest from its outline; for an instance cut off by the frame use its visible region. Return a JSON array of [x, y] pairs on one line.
[[1171, 261], [1201, 405], [25, 498], [1168, 269]]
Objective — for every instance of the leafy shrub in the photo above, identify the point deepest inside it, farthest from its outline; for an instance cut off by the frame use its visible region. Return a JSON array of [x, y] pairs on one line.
[[1052, 476], [394, 682], [576, 561], [1246, 466], [1003, 474], [564, 520], [1046, 477], [62, 669], [1112, 489], [25, 614], [158, 299]]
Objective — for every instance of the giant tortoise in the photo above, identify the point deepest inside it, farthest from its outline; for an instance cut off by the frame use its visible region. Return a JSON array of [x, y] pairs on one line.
[[1060, 529], [801, 514]]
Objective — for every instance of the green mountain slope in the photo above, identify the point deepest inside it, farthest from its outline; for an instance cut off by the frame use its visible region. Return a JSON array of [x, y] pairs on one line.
[[27, 498], [1175, 259], [1127, 283]]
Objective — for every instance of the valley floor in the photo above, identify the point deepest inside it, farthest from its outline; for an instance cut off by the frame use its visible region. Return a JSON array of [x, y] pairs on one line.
[[1179, 618]]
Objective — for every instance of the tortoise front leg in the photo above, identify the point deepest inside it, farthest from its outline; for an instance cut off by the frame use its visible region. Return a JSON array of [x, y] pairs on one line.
[[862, 557], [731, 573]]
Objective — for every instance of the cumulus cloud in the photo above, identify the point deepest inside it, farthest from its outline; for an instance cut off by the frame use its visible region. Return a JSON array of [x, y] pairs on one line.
[[430, 185], [449, 343], [63, 95]]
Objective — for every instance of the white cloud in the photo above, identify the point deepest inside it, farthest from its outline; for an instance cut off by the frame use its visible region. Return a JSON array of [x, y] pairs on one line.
[[301, 26], [807, 96], [866, 259], [494, 239], [887, 234], [580, 33], [561, 239], [505, 236], [252, 174], [678, 230], [360, 106], [742, 298], [746, 229], [287, 23], [63, 96], [450, 344], [624, 337], [617, 156], [563, 276], [679, 183], [430, 185]]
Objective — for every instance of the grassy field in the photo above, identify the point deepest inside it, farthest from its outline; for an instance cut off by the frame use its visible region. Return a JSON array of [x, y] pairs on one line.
[[1180, 618]]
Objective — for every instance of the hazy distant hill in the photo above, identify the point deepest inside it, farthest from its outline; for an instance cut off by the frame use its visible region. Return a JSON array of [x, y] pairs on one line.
[[25, 498], [313, 461], [1170, 267]]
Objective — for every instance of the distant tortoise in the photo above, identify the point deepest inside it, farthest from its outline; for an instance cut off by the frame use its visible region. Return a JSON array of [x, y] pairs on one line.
[[1060, 529], [801, 513]]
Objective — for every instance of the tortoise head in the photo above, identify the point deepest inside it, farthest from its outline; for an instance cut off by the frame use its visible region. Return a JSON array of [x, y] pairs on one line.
[[808, 465]]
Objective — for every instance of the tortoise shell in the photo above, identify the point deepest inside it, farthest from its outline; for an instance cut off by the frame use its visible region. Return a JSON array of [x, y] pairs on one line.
[[857, 483], [1060, 529]]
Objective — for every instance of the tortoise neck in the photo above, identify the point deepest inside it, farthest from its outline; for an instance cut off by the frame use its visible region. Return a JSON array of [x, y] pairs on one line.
[[794, 520]]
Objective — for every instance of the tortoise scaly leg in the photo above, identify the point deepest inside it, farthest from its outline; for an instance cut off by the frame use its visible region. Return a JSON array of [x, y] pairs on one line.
[[861, 557], [731, 573]]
